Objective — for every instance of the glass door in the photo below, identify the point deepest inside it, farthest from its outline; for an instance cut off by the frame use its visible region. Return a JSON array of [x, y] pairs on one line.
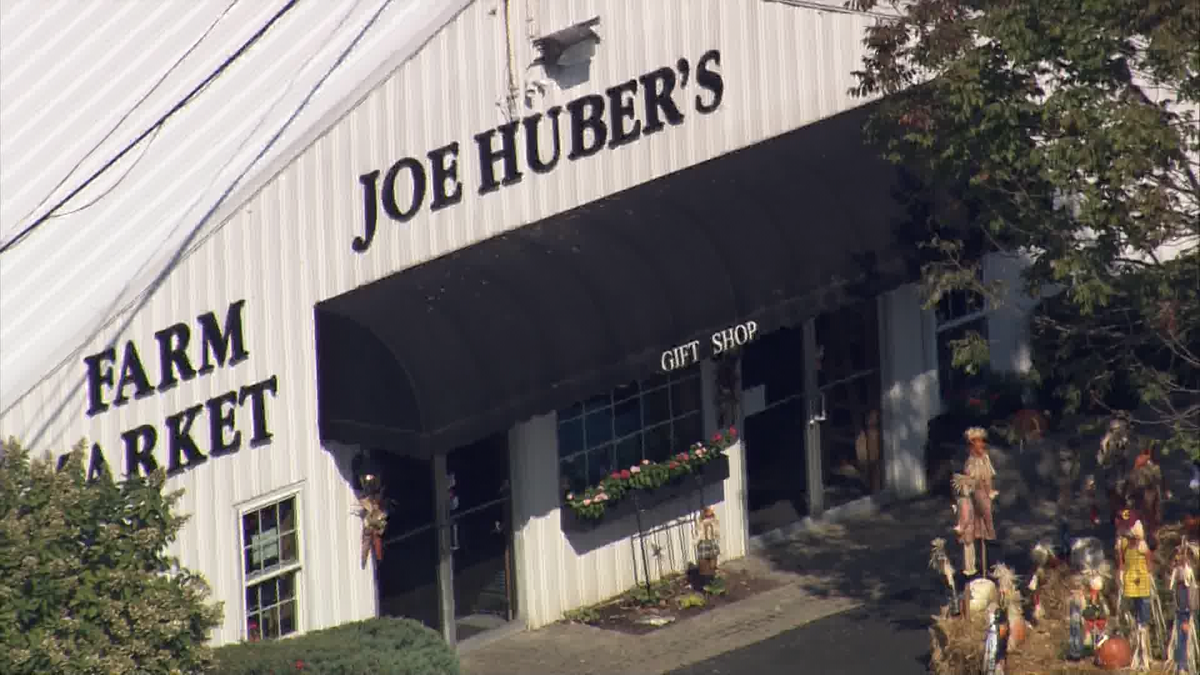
[[849, 387], [481, 536]]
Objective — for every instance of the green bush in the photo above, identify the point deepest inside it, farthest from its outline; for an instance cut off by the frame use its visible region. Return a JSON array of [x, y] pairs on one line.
[[85, 584], [383, 646]]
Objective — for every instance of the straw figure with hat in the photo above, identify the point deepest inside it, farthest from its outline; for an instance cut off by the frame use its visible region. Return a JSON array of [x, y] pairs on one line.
[[1135, 566], [940, 563], [964, 526], [979, 469]]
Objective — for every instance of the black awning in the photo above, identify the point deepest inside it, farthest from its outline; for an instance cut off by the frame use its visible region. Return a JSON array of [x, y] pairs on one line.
[[552, 312]]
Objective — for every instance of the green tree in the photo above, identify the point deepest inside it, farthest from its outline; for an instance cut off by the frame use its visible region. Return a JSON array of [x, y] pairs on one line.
[[85, 583], [1064, 132]]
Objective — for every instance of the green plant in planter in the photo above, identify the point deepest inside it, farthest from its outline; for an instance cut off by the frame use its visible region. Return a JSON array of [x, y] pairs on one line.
[[592, 502], [691, 600]]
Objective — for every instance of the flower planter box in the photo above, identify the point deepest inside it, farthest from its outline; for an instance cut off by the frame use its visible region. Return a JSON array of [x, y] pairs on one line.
[[712, 473]]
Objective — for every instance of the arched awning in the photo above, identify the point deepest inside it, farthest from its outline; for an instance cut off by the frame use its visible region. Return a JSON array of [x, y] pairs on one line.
[[555, 311]]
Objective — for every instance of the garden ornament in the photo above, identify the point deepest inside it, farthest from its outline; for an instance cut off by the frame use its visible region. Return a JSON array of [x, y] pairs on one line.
[[1010, 603], [707, 532], [1096, 609]]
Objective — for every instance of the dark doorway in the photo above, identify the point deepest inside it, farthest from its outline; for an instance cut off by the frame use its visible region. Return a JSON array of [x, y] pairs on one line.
[[773, 379], [407, 577], [848, 379], [481, 536]]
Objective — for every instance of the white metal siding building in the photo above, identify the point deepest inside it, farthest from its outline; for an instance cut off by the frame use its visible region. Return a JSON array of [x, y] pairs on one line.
[[246, 206]]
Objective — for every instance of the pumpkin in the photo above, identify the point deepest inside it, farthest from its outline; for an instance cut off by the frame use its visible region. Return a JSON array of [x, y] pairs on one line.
[[1018, 630], [1114, 654]]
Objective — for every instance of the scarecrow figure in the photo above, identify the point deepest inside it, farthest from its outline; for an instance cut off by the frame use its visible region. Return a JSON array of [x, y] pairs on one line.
[[1075, 606], [1184, 649], [1144, 491], [964, 528], [707, 532], [979, 469], [1010, 604], [995, 642], [1112, 462], [1136, 565], [939, 562], [1043, 558]]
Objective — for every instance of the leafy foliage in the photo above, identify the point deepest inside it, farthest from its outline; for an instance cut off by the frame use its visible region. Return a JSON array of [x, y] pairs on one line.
[[382, 646], [85, 585], [1064, 133]]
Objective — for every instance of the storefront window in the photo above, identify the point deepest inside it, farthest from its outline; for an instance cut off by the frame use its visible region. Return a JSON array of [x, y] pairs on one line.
[[271, 565], [644, 420]]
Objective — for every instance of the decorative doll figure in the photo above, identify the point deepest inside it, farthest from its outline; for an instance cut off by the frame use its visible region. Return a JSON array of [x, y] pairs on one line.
[[1075, 605], [1184, 649], [1135, 565], [1010, 603], [964, 528], [939, 562], [707, 532], [1095, 610], [979, 469], [995, 642]]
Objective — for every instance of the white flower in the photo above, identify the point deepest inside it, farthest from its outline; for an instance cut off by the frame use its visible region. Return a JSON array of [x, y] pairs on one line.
[[570, 496], [635, 469], [645, 462], [587, 502]]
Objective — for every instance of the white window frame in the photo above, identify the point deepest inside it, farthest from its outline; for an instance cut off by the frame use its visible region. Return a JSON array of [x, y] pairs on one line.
[[257, 504], [689, 375], [940, 327]]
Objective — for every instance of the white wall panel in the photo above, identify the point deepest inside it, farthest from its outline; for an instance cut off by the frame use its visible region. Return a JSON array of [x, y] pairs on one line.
[[910, 387], [287, 247]]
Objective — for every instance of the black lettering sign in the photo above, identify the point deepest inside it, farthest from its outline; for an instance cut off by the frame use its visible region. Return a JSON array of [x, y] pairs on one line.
[[222, 343], [596, 122]]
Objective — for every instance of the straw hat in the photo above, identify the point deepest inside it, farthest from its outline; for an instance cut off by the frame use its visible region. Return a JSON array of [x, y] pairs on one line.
[[976, 433]]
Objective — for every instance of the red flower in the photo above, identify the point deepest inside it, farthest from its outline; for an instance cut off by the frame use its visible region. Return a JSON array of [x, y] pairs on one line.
[[673, 465], [733, 431], [682, 456], [625, 473], [974, 403], [615, 476], [717, 437], [299, 665]]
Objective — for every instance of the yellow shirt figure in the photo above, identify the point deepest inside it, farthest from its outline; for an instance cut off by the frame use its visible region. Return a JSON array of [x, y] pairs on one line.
[[1136, 569]]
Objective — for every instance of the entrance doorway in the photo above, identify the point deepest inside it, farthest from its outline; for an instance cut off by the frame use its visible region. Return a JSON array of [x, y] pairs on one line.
[[849, 388], [773, 404], [481, 536], [470, 590]]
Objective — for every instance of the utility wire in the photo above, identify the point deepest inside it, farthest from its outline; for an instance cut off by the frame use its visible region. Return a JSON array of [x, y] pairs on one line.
[[161, 121], [132, 109]]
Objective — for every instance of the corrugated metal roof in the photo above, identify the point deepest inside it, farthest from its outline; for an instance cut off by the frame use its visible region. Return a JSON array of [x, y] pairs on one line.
[[79, 81]]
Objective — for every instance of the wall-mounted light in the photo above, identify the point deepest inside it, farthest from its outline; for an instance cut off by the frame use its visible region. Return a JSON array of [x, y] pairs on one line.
[[568, 47]]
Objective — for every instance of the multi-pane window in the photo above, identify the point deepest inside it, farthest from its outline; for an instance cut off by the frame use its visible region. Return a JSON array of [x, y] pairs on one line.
[[648, 419], [958, 312], [271, 564]]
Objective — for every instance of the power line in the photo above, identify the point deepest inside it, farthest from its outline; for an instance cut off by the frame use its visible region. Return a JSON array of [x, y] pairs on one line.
[[161, 121], [132, 109]]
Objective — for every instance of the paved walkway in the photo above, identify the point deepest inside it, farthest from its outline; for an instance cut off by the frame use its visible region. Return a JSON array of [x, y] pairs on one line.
[[877, 562]]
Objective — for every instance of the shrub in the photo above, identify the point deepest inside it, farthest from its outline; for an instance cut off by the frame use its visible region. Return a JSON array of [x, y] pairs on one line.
[[382, 646], [85, 585]]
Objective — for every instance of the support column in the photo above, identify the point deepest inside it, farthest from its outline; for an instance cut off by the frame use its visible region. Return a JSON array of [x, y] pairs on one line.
[[441, 491], [814, 406]]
